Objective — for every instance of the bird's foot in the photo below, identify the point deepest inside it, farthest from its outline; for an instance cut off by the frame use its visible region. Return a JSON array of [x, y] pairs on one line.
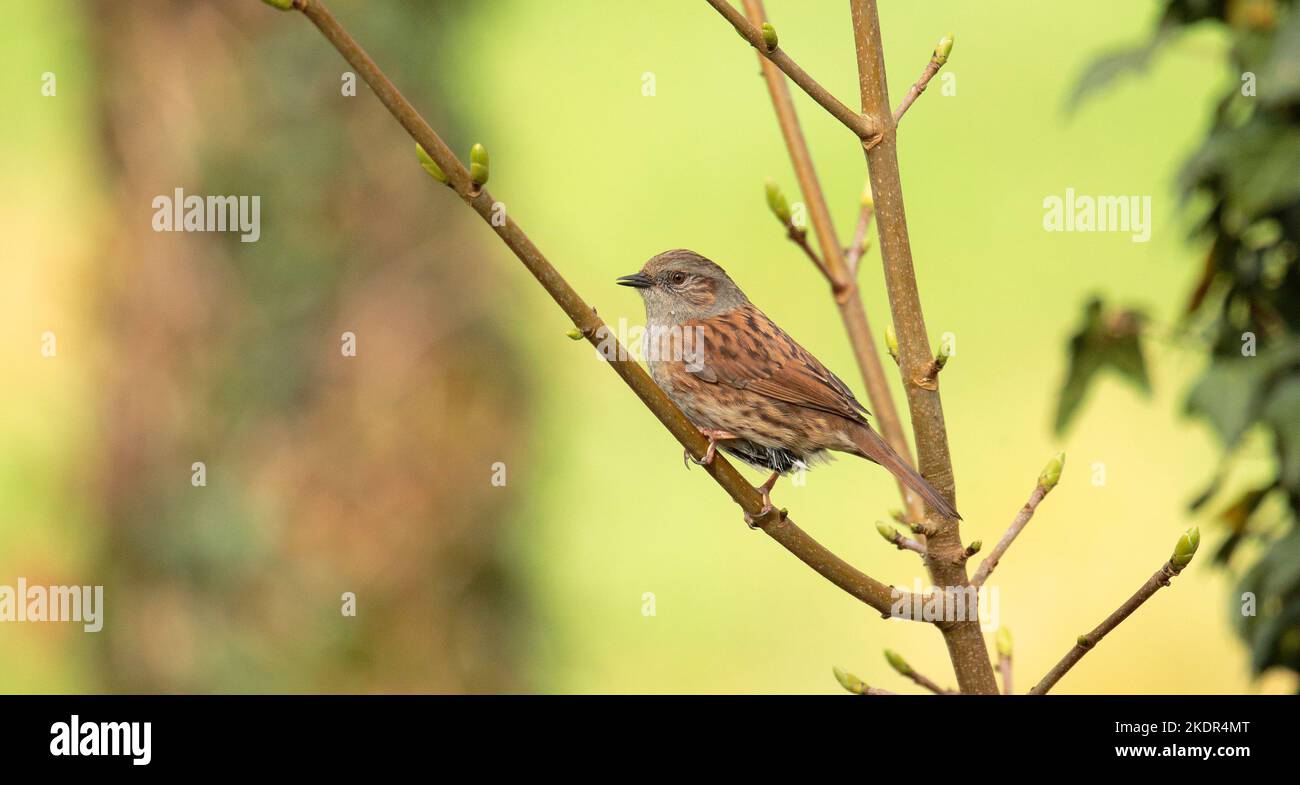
[[766, 490], [763, 513], [714, 436]]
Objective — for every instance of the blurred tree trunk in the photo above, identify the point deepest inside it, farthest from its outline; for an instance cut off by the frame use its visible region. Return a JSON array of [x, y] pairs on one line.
[[325, 474]]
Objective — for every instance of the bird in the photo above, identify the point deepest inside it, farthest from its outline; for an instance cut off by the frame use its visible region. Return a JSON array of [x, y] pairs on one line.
[[746, 385]]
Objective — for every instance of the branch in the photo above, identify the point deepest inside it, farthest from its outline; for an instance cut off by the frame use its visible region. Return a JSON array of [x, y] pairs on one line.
[[1046, 482], [1004, 658], [895, 537], [780, 207], [835, 268], [965, 642], [1184, 550], [937, 60], [899, 664], [775, 524], [859, 245], [863, 126], [855, 685], [930, 379]]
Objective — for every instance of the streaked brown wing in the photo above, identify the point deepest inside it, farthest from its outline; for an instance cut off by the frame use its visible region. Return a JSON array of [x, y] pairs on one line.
[[746, 350]]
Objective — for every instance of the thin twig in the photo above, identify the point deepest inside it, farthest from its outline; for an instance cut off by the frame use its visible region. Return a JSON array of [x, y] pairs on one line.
[[855, 685], [843, 284], [1004, 669], [895, 537], [901, 665], [937, 61], [1046, 482], [858, 248], [924, 681], [775, 524], [965, 641], [863, 126], [800, 238], [1087, 643], [1017, 525]]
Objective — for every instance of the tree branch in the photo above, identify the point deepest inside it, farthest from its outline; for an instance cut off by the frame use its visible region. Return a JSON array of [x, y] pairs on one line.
[[837, 271], [899, 664], [1183, 553], [965, 642], [855, 685], [863, 126], [775, 524], [1046, 482], [895, 537], [937, 60], [859, 245], [1004, 658]]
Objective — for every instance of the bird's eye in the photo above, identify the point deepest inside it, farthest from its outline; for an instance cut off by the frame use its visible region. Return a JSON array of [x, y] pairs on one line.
[[678, 278]]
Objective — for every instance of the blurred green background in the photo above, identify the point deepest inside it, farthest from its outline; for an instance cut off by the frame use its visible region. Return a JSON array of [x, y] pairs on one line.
[[373, 474]]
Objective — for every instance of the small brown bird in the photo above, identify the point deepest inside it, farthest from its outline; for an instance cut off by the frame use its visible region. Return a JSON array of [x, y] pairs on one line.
[[747, 385]]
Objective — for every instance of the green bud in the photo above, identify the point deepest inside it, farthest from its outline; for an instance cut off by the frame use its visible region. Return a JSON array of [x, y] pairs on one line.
[[1186, 547], [897, 662], [777, 203], [283, 5], [1004, 642], [891, 341], [478, 164], [1052, 472], [1082, 640], [574, 334], [888, 532], [945, 352], [430, 165], [944, 49], [769, 36], [974, 547], [848, 681]]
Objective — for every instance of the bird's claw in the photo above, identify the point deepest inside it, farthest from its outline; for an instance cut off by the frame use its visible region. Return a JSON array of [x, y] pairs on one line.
[[688, 459], [763, 513], [766, 490], [714, 437]]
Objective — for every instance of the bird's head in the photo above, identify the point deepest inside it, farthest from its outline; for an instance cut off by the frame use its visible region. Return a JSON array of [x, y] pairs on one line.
[[680, 285]]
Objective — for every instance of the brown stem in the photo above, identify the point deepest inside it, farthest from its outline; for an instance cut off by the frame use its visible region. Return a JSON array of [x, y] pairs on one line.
[[1004, 669], [800, 238], [897, 539], [931, 68], [775, 524], [1017, 525], [843, 285], [1087, 643], [966, 646], [923, 681], [859, 245], [904, 669], [863, 126]]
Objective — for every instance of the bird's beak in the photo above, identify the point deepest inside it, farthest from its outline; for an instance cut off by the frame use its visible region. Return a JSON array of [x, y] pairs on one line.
[[636, 280]]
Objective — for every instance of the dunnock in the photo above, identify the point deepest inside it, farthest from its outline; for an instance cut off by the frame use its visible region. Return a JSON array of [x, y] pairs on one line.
[[746, 384]]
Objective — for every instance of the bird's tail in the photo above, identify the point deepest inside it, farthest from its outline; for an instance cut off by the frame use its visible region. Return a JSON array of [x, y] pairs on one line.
[[874, 448]]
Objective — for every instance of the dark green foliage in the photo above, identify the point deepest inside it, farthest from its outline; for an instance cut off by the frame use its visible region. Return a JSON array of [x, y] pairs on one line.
[[1106, 341], [1246, 299]]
